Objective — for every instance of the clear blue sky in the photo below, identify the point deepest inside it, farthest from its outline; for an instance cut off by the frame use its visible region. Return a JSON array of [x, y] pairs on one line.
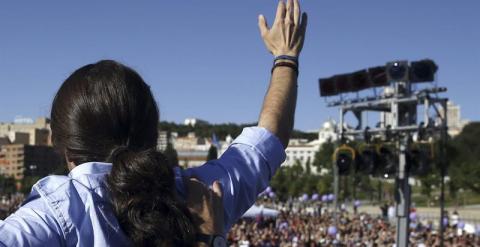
[[205, 59]]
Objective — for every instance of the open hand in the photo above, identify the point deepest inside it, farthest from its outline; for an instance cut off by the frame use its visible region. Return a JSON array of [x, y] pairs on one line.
[[287, 33]]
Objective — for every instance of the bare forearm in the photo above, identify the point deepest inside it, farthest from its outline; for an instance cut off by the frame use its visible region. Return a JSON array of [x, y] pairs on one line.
[[285, 41], [278, 109]]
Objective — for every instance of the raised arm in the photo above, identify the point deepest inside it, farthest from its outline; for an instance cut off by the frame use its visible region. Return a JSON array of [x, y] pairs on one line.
[[285, 37], [246, 167]]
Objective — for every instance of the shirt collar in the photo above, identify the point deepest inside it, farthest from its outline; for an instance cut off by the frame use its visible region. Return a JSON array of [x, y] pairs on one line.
[[90, 168]]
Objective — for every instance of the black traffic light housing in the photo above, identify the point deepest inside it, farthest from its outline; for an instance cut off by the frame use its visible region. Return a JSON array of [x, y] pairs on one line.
[[367, 160], [419, 158], [388, 159], [423, 71], [397, 71], [344, 158]]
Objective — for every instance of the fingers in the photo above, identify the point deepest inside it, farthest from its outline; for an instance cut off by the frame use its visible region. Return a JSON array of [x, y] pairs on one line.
[[303, 26], [280, 16], [288, 14], [296, 12], [196, 189], [262, 25], [217, 189]]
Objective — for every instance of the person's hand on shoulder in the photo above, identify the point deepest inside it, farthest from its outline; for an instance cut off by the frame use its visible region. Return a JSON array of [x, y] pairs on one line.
[[206, 206]]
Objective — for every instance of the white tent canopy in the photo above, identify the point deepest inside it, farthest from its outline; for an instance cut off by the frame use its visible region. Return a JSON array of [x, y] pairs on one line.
[[255, 210]]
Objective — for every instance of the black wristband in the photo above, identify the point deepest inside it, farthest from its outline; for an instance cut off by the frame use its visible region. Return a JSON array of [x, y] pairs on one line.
[[286, 57], [285, 64]]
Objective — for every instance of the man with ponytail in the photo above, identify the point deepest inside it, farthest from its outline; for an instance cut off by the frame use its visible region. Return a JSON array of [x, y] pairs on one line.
[[121, 191]]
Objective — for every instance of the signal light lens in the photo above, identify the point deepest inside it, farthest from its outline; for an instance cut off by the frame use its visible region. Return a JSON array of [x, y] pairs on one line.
[[344, 161], [397, 71]]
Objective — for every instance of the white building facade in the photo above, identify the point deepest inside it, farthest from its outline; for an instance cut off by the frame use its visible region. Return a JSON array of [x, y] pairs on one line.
[[302, 151]]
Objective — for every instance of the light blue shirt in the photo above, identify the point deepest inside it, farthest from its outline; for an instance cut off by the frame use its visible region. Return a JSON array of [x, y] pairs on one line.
[[74, 210]]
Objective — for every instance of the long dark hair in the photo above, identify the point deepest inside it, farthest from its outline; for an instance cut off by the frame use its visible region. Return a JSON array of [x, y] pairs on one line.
[[106, 112]]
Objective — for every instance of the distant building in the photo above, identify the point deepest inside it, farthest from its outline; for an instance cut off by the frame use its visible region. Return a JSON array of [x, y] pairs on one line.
[[302, 151], [194, 121], [4, 141], [191, 158], [455, 122], [191, 143], [17, 160], [27, 131], [162, 141], [192, 150]]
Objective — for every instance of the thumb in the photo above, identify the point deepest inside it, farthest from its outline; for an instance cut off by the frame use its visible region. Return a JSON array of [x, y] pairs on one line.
[[217, 189], [262, 25]]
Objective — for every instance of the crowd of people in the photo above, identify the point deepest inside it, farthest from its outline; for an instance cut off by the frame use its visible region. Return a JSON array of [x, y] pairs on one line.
[[314, 225], [9, 203], [304, 227]]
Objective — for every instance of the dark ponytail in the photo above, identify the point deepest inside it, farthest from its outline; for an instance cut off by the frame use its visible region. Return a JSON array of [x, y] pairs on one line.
[[106, 112], [144, 194]]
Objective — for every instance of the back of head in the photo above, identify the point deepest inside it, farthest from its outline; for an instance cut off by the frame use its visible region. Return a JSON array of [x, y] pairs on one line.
[[106, 112]]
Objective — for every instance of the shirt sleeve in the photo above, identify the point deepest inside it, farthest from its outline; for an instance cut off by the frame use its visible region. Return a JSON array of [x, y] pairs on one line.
[[244, 170], [30, 226]]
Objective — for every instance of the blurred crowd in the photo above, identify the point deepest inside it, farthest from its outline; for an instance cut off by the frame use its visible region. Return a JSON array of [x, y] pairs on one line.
[[9, 203], [307, 227]]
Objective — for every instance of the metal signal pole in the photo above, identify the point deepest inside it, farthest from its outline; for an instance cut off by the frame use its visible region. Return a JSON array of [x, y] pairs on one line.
[[402, 115], [443, 169], [402, 197]]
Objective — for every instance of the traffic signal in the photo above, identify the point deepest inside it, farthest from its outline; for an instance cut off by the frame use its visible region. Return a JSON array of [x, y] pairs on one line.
[[344, 157], [367, 160], [387, 159], [419, 158], [397, 71]]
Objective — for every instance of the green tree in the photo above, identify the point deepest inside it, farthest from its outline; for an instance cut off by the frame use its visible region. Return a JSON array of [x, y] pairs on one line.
[[310, 183], [323, 157], [7, 185], [221, 130], [464, 158], [279, 184], [308, 168], [212, 153], [324, 184]]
